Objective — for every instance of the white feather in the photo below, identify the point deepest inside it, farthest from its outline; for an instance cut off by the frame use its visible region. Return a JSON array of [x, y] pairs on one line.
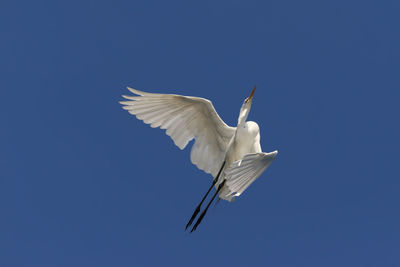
[[242, 173], [185, 118]]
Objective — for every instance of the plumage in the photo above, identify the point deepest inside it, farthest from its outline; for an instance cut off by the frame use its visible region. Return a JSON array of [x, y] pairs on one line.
[[243, 172], [185, 118], [232, 155]]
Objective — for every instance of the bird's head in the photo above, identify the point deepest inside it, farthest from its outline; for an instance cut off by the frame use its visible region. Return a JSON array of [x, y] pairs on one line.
[[245, 109]]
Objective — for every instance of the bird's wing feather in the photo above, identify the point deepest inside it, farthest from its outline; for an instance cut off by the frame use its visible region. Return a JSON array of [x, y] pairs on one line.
[[185, 118], [242, 173]]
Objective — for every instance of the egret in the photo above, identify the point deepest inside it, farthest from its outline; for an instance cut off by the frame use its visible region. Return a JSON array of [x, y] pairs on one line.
[[232, 155]]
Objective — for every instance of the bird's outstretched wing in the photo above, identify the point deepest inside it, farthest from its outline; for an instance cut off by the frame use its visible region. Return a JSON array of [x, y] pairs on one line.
[[242, 173], [185, 118]]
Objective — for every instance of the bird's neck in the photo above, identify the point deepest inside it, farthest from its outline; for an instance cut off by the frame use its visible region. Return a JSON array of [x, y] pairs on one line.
[[244, 112]]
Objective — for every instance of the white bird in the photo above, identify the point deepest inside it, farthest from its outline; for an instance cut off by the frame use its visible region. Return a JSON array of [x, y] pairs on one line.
[[232, 155]]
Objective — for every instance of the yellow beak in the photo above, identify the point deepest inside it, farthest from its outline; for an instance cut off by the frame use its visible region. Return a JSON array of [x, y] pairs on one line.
[[252, 93]]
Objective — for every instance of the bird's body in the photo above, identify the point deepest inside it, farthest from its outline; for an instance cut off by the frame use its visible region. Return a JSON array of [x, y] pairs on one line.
[[245, 141], [232, 155]]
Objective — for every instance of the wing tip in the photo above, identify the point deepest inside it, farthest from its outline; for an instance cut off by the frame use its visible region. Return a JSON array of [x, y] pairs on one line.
[[137, 92], [272, 154], [128, 97], [131, 90]]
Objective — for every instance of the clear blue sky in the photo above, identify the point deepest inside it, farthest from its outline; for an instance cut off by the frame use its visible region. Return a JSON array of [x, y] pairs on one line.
[[83, 183]]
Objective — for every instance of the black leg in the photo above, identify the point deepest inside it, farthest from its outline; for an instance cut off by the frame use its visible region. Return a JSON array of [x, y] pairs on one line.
[[197, 210], [209, 203]]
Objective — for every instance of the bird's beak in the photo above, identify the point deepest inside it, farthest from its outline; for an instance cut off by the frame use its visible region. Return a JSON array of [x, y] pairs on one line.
[[252, 93]]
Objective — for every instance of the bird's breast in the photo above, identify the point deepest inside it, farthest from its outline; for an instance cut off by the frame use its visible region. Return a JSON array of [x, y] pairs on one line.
[[242, 144]]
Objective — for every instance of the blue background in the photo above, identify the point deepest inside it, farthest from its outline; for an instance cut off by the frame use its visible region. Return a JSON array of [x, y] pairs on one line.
[[83, 183]]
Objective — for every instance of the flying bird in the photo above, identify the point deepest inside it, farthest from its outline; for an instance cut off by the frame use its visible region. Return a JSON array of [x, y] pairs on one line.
[[232, 155]]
